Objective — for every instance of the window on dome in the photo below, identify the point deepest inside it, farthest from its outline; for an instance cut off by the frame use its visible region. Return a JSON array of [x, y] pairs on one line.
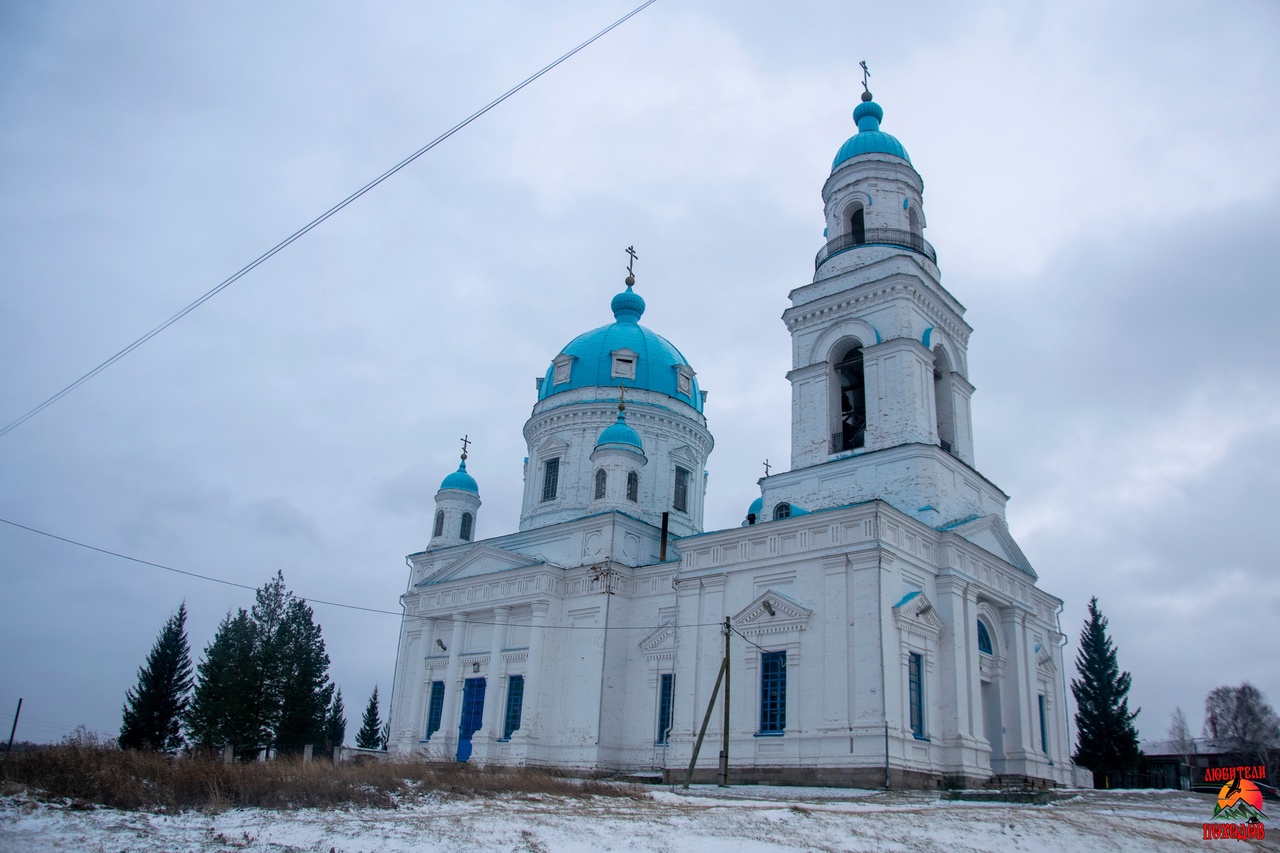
[[439, 528], [984, 639], [680, 501], [633, 486], [781, 511], [602, 480], [550, 479], [563, 363], [850, 428], [857, 227], [624, 364], [684, 380], [464, 531]]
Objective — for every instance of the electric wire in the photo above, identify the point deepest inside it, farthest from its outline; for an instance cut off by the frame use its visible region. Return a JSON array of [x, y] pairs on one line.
[[245, 270], [343, 605]]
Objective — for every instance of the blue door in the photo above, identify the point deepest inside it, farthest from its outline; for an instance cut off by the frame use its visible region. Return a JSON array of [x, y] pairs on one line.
[[472, 714]]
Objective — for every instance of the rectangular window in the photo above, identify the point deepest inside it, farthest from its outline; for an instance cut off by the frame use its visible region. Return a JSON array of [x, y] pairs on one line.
[[915, 685], [773, 692], [666, 694], [681, 500], [435, 708], [1044, 728], [515, 704], [550, 479]]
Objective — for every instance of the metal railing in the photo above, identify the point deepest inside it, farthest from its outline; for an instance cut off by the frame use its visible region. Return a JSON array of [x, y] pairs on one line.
[[876, 237]]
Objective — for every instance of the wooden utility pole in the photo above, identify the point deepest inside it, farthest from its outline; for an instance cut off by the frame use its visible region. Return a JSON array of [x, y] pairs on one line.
[[12, 732], [697, 747], [724, 749]]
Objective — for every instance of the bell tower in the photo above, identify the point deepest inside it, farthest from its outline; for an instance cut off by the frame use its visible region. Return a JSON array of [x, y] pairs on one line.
[[879, 347]]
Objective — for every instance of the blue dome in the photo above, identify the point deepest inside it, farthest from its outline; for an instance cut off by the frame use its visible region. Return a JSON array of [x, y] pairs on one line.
[[869, 139], [460, 479], [656, 358], [619, 433], [757, 506]]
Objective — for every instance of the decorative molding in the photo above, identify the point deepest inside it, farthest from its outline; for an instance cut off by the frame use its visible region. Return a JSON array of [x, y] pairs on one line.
[[787, 615]]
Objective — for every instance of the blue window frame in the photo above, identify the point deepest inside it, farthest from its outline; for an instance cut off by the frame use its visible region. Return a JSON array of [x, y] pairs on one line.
[[472, 715], [984, 640], [666, 695], [915, 685], [773, 692], [435, 707], [515, 704], [1044, 728]]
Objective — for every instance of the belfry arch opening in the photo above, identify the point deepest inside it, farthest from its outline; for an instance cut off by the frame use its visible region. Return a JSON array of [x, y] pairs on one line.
[[857, 226], [944, 399], [849, 412]]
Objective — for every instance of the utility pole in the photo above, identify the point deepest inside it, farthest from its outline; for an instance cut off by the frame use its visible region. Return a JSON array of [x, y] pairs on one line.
[[12, 732], [724, 750]]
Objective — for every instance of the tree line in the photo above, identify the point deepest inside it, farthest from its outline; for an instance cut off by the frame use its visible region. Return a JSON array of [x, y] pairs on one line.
[[262, 686]]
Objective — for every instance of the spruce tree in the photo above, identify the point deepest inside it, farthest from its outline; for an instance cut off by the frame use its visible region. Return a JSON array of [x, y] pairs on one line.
[[153, 710], [370, 734], [335, 723], [226, 707], [305, 690], [1108, 740]]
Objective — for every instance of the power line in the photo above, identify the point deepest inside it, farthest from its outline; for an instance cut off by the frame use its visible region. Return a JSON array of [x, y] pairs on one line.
[[322, 601], [245, 270]]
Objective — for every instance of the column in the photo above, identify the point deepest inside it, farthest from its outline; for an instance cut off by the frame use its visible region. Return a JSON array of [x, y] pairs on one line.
[[417, 683], [535, 676], [491, 726], [453, 689]]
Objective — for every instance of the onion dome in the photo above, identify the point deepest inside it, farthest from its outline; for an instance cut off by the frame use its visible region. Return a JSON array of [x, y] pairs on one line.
[[460, 479], [620, 435], [869, 139]]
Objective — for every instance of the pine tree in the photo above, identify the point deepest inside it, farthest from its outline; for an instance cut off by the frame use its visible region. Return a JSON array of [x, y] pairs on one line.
[[370, 734], [1108, 740], [335, 723], [153, 710]]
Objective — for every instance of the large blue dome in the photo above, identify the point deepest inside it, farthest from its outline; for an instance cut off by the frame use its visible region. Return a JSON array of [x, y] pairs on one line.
[[656, 364], [869, 139]]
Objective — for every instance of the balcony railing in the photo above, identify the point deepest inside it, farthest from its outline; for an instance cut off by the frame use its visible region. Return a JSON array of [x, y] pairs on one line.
[[877, 237]]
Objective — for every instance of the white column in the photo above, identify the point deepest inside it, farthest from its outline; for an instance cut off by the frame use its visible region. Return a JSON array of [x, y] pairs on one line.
[[453, 687], [490, 726], [532, 715]]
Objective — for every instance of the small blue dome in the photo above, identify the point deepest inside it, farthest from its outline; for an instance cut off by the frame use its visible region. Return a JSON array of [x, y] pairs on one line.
[[619, 432], [656, 365], [460, 479], [757, 506], [869, 139]]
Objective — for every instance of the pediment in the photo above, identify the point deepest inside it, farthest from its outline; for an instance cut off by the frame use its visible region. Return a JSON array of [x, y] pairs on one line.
[[991, 534], [684, 453], [663, 638], [1044, 659], [481, 560], [757, 618], [915, 609], [551, 445]]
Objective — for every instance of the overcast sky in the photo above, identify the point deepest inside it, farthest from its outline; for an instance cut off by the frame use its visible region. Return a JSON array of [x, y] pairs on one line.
[[1101, 184]]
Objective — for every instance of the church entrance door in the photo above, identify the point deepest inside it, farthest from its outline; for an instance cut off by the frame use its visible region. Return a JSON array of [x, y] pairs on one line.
[[472, 715]]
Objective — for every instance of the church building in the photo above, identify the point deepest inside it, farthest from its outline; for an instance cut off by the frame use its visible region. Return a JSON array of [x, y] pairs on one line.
[[883, 625]]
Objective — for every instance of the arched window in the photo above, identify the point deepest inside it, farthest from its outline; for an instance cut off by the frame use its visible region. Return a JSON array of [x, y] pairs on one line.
[[984, 639], [633, 486], [913, 222], [781, 511], [467, 523], [439, 528], [852, 413], [602, 480], [857, 226], [943, 404]]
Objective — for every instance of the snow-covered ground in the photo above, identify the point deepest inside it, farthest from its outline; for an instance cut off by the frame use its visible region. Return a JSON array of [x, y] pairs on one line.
[[734, 820]]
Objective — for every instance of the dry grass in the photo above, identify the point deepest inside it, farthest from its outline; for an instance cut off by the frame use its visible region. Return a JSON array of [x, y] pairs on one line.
[[94, 773]]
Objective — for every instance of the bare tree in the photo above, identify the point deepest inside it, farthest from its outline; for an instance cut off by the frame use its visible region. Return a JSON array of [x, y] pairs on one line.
[[1180, 736], [1240, 720]]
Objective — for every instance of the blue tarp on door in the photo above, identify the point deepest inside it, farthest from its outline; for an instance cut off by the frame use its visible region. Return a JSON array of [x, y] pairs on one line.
[[472, 714]]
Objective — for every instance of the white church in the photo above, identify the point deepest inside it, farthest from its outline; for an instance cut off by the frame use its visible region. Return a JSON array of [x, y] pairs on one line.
[[885, 627]]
